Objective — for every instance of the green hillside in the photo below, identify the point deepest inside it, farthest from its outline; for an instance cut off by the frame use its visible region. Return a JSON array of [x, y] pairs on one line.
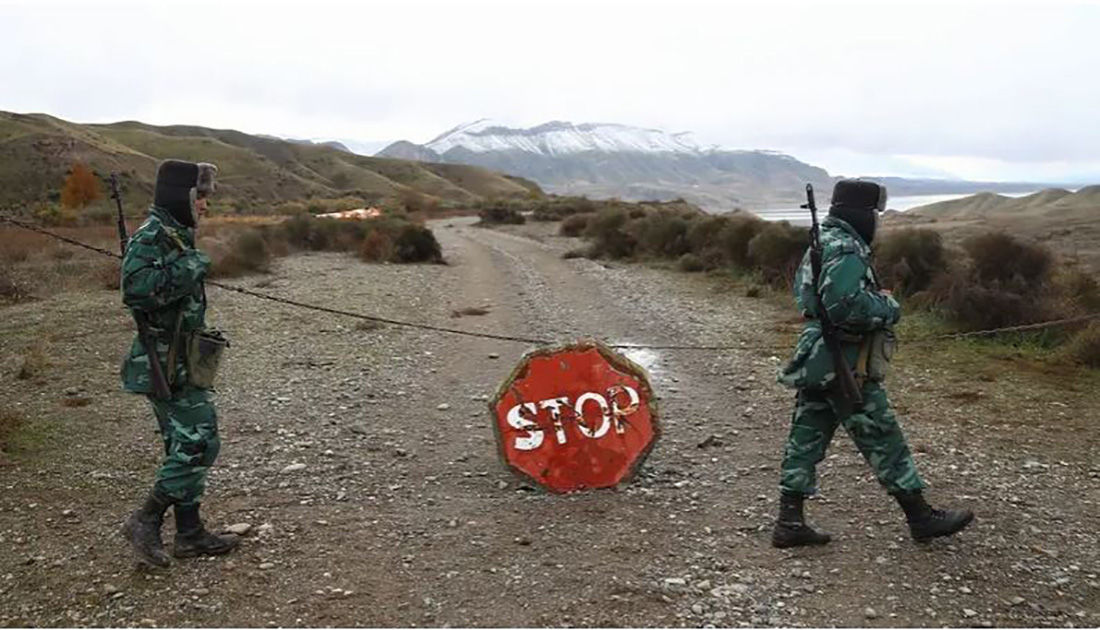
[[256, 172]]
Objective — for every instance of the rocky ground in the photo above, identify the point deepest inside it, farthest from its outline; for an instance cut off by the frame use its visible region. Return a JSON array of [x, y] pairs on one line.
[[362, 462]]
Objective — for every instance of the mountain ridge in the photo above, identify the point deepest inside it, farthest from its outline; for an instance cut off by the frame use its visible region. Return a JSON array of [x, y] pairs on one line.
[[637, 163]]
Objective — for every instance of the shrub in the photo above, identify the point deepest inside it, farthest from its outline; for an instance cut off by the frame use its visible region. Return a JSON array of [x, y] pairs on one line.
[[416, 243], [574, 225], [108, 274], [248, 252], [1081, 289], [1085, 346], [1007, 283], [662, 234], [81, 187], [11, 288], [500, 212], [1000, 259], [606, 229], [376, 247], [35, 362], [10, 423], [733, 240], [777, 251], [690, 262], [908, 260], [974, 306]]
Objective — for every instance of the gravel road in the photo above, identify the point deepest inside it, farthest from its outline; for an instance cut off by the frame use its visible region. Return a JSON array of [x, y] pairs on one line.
[[363, 461]]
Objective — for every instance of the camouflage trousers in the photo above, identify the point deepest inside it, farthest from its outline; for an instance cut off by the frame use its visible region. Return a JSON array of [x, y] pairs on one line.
[[874, 429], [189, 427]]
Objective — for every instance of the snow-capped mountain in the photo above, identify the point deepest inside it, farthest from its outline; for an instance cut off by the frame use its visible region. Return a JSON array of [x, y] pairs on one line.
[[613, 160], [561, 138]]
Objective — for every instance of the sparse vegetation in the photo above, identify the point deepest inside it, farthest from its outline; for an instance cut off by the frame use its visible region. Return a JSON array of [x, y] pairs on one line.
[[1084, 347], [501, 212], [575, 224], [11, 422], [34, 362], [908, 260], [81, 187]]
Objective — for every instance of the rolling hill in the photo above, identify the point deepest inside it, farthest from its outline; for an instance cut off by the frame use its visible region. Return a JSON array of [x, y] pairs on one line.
[[1051, 202], [37, 150]]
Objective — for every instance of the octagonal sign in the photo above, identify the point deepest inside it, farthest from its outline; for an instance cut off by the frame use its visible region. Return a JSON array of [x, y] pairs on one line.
[[575, 417]]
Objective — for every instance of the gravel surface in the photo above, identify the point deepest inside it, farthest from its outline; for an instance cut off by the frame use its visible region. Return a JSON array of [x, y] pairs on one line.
[[360, 465]]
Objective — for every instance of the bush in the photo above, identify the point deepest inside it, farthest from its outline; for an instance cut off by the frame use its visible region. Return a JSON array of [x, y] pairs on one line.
[[1007, 283], [733, 240], [376, 247], [1085, 346], [248, 252], [690, 262], [908, 260], [777, 251], [11, 288], [606, 229], [575, 225], [974, 306], [416, 243], [500, 212], [662, 234], [1081, 289], [10, 423], [1000, 259]]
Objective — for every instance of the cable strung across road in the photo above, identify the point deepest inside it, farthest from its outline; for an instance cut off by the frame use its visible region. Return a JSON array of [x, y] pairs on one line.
[[533, 340]]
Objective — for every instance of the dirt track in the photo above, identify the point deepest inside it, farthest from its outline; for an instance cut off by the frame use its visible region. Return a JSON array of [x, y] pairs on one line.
[[404, 516]]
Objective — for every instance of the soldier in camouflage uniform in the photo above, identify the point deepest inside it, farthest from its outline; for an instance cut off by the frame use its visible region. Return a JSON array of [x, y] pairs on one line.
[[865, 315], [162, 281]]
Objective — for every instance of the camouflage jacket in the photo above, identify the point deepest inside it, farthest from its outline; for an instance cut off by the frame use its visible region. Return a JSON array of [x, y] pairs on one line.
[[162, 279], [850, 294]]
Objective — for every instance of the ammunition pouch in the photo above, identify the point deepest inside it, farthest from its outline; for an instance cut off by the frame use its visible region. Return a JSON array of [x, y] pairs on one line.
[[204, 356], [881, 346]]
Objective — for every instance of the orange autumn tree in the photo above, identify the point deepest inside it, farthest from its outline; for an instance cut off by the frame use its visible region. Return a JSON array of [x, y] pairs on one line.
[[81, 187]]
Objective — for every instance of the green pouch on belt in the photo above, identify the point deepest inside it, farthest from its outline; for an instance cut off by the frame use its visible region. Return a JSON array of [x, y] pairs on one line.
[[204, 356], [883, 344]]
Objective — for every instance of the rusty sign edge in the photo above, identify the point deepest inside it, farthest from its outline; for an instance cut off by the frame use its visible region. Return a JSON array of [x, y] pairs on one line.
[[618, 361]]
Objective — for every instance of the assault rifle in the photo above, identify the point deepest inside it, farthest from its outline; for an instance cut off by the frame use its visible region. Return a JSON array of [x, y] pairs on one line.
[[846, 388], [161, 391]]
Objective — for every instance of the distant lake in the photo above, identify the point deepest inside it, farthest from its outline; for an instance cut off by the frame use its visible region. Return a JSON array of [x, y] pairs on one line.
[[901, 204]]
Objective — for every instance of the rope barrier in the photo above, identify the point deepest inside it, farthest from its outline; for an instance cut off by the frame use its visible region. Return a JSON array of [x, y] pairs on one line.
[[533, 340]]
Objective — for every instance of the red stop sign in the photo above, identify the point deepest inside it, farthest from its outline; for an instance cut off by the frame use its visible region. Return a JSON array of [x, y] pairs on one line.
[[575, 417]]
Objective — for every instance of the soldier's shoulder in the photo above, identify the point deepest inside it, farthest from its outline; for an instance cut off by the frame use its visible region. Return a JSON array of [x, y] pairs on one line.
[[149, 231], [836, 241]]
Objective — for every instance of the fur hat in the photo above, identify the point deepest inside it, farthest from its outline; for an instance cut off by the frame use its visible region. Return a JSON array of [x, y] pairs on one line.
[[179, 183], [859, 193], [857, 202]]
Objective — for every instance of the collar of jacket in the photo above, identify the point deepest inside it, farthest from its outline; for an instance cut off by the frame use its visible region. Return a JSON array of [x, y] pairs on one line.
[[168, 221], [843, 225]]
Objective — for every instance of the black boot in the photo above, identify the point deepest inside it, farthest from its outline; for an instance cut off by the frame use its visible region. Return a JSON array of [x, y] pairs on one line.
[[791, 529], [142, 531], [192, 539], [926, 523]]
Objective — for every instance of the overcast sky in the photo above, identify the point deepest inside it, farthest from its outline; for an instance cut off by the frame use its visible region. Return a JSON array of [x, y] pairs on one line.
[[981, 90]]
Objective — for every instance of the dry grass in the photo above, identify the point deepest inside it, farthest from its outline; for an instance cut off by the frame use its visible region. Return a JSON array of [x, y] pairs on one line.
[[11, 421], [34, 362]]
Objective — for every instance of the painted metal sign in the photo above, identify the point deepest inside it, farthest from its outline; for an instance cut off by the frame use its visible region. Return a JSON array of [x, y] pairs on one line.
[[575, 417]]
